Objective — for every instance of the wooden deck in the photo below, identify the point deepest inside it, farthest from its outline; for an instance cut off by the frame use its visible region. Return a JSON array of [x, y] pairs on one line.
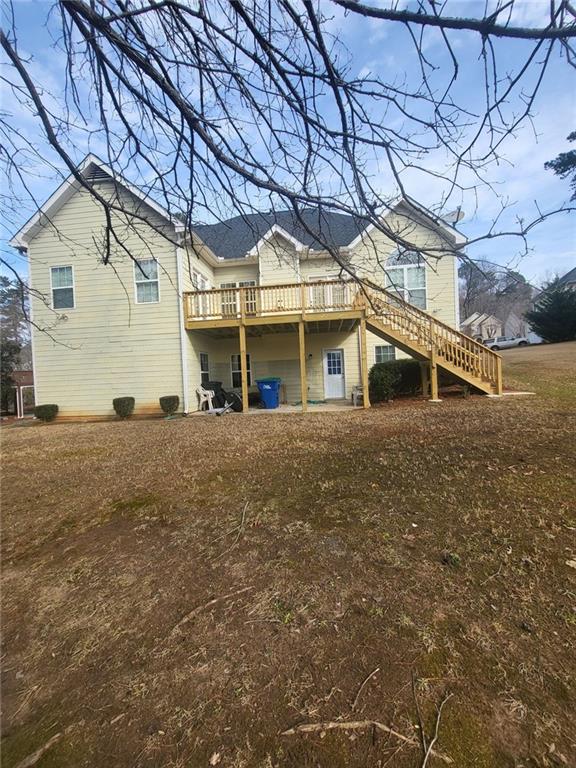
[[299, 305]]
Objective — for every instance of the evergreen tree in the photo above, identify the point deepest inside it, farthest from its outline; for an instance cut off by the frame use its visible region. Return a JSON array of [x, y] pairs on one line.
[[13, 334], [565, 164], [554, 314]]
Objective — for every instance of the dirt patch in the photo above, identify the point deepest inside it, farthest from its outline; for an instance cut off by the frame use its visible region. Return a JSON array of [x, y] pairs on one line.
[[182, 591]]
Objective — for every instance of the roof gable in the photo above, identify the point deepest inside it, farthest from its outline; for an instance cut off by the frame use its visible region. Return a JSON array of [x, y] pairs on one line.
[[93, 170]]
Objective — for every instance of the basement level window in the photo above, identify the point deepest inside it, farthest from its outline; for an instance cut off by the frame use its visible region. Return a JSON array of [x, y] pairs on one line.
[[237, 372], [384, 353], [204, 368], [62, 282], [146, 281]]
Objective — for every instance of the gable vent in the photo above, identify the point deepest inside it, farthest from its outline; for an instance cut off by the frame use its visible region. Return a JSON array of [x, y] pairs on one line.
[[95, 173]]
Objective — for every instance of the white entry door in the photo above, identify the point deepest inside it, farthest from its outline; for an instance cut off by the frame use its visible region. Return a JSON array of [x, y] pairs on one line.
[[334, 386]]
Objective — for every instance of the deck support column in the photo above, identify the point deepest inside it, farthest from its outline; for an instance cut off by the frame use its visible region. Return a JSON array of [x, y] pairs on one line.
[[303, 380], [499, 382], [425, 379], [243, 367], [433, 378], [364, 363]]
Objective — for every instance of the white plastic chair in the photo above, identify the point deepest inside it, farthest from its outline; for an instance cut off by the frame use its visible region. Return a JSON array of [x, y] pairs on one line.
[[205, 396], [357, 395]]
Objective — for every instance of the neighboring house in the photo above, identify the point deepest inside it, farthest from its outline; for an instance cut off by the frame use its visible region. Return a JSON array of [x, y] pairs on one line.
[[569, 279], [190, 307], [485, 326], [481, 325]]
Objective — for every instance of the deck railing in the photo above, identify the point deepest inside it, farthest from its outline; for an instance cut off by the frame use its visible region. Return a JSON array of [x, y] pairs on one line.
[[418, 327], [259, 301]]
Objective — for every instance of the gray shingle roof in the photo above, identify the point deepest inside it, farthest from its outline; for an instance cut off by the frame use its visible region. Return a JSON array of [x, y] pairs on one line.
[[569, 277], [234, 238]]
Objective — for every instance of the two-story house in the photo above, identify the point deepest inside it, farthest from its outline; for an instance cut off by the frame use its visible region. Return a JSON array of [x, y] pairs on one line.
[[255, 296]]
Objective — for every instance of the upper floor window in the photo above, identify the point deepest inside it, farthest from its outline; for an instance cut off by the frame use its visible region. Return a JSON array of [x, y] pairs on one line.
[[62, 281], [146, 281], [406, 276]]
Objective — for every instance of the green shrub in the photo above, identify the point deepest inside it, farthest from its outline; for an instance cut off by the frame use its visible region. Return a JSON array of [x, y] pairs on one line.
[[395, 377], [410, 376], [383, 380], [46, 412], [123, 406], [169, 404]]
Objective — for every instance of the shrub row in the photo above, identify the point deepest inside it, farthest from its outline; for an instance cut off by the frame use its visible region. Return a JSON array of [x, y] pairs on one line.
[[123, 406], [395, 377], [400, 377]]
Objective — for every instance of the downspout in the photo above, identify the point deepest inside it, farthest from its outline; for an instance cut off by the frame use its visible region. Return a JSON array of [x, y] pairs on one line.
[[32, 330], [183, 337], [456, 294]]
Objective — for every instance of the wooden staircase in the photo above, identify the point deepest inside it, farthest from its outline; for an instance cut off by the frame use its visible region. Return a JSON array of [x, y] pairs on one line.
[[422, 336]]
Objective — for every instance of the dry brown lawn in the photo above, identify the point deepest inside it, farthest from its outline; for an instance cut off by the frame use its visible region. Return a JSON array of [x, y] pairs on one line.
[[180, 593]]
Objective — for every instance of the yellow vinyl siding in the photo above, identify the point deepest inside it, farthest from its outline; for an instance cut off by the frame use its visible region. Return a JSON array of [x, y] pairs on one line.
[[279, 262], [369, 257], [235, 274], [108, 345]]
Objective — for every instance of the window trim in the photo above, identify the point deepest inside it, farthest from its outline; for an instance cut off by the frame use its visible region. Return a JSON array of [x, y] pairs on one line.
[[142, 282], [239, 370], [405, 290], [387, 346], [52, 289]]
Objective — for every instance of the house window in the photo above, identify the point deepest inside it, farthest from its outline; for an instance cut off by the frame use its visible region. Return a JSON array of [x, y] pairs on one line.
[[237, 373], [62, 279], [229, 297], [384, 353], [146, 281], [406, 277], [204, 369]]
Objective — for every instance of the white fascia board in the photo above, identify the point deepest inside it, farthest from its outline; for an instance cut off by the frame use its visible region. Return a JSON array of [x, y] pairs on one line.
[[71, 185], [275, 229]]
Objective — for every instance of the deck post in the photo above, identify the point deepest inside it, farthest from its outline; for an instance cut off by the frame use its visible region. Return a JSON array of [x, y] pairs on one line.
[[303, 381], [433, 377], [243, 367], [364, 363], [499, 384], [424, 378]]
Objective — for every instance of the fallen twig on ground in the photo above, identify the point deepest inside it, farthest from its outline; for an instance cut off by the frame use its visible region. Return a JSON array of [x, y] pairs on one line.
[[366, 680], [240, 529], [354, 725], [32, 759], [195, 611], [434, 739]]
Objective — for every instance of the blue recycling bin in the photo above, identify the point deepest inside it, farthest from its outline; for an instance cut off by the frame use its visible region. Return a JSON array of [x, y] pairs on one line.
[[270, 391]]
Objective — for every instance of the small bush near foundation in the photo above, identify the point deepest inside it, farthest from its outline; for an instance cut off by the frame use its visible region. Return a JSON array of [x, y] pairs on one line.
[[383, 379], [46, 412], [410, 378], [169, 404], [123, 406]]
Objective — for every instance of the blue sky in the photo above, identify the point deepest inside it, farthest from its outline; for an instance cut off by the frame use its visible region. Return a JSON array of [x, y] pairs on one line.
[[383, 50]]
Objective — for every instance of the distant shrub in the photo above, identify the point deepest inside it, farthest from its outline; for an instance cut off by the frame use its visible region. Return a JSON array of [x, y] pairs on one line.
[[169, 404], [123, 406], [46, 412]]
